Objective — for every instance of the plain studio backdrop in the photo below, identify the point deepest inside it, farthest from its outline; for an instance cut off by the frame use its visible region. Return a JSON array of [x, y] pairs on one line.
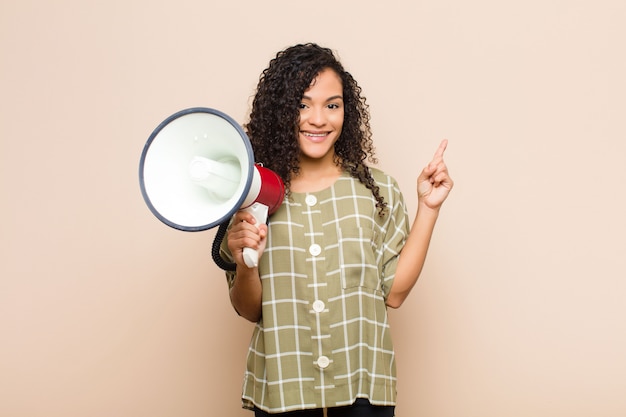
[[521, 309]]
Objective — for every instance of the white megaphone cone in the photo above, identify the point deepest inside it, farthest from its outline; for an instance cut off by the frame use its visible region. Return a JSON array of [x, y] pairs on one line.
[[197, 169]]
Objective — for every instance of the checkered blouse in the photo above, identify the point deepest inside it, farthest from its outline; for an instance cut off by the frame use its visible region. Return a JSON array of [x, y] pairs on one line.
[[323, 339]]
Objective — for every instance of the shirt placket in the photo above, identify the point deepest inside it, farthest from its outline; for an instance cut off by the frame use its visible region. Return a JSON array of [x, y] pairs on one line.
[[318, 300]]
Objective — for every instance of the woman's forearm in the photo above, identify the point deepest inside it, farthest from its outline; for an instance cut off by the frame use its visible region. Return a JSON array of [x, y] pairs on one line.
[[413, 255], [246, 293]]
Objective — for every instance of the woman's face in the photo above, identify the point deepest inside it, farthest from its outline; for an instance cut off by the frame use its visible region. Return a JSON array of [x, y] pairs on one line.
[[321, 117]]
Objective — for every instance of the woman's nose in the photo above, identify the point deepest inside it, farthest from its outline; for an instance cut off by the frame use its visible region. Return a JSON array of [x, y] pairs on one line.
[[317, 117]]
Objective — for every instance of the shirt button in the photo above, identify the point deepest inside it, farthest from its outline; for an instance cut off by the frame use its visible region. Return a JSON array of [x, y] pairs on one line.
[[315, 249], [318, 306], [323, 362], [310, 200]]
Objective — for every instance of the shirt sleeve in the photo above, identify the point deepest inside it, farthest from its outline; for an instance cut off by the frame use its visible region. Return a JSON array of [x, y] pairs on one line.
[[396, 231]]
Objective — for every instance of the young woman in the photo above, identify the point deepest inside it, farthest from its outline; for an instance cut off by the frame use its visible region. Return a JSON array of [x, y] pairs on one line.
[[335, 255]]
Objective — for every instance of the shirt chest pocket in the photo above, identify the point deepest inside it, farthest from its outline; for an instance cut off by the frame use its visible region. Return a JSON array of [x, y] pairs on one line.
[[357, 259]]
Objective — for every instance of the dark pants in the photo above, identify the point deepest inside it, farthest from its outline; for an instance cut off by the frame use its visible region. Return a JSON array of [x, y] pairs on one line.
[[361, 408]]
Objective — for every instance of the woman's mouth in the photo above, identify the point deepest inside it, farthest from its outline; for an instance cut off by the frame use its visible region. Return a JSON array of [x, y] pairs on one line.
[[315, 136]]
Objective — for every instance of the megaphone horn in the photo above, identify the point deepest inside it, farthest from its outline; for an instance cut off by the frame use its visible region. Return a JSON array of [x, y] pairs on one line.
[[197, 169]]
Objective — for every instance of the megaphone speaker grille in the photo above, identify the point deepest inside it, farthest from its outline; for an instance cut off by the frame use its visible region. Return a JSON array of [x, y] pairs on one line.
[[196, 169]]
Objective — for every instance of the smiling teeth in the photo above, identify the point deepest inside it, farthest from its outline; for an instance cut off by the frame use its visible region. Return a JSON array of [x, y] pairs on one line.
[[315, 134]]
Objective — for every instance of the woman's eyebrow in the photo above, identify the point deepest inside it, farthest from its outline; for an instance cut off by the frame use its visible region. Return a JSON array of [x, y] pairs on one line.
[[305, 97]]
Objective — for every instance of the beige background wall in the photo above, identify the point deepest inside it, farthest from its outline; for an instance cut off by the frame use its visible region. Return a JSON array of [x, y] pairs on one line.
[[104, 311]]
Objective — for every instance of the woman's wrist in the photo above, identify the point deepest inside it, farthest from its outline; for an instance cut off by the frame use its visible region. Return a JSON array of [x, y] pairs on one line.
[[426, 210]]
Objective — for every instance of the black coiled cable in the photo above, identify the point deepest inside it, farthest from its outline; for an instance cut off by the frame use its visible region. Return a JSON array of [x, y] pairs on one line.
[[215, 251]]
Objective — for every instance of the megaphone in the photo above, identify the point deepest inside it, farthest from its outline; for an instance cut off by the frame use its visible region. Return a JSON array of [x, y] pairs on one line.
[[197, 169]]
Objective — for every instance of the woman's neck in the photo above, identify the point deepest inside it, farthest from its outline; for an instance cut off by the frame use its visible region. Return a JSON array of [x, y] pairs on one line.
[[315, 177]]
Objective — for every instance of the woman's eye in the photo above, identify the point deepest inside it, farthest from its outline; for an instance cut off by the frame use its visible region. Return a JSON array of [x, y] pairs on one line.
[[302, 106]]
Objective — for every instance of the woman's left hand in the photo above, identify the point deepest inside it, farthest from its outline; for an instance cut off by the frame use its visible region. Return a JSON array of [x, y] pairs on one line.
[[434, 183]]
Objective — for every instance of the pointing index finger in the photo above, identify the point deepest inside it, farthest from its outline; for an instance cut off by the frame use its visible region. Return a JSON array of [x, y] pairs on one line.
[[441, 149]]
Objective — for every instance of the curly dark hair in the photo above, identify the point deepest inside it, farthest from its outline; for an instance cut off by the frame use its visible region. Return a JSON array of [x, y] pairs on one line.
[[274, 117]]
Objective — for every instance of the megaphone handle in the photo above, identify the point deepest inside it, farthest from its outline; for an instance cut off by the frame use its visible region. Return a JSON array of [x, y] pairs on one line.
[[259, 211]]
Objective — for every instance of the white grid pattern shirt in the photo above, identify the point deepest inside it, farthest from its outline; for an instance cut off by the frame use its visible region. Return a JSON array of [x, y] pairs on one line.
[[323, 339]]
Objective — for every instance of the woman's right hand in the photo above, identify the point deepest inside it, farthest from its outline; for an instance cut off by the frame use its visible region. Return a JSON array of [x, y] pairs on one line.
[[245, 233]]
